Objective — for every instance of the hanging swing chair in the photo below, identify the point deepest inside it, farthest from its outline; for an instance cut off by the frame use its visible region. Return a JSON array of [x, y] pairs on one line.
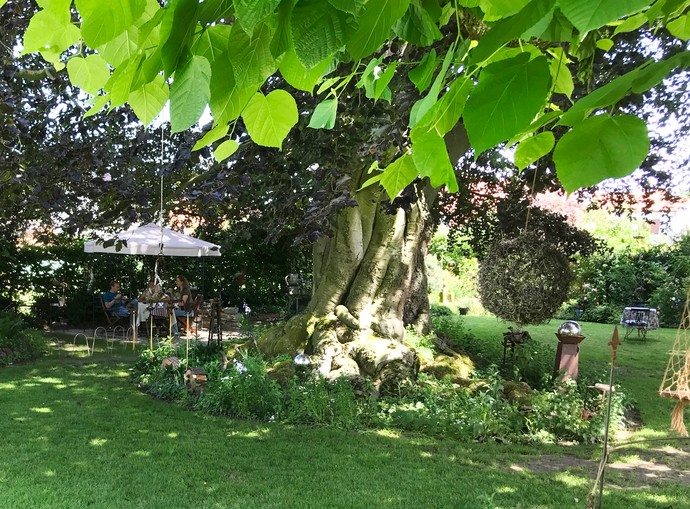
[[676, 382]]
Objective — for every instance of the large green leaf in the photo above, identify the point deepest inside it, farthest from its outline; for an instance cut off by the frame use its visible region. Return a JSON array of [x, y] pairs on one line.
[[51, 31], [89, 74], [324, 114], [443, 116], [297, 75], [252, 12], [190, 93], [269, 118], [210, 11], [227, 99], [251, 57], [396, 176], [599, 148], [417, 26], [588, 15], [375, 25], [179, 25], [533, 148], [318, 31], [431, 160], [148, 101], [103, 21], [510, 28], [508, 96]]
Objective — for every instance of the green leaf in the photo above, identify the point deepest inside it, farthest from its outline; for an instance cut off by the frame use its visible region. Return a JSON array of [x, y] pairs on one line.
[[98, 104], [190, 93], [148, 101], [680, 27], [213, 42], [251, 58], [381, 83], [89, 74], [2, 2], [423, 73], [599, 148], [631, 24], [443, 116], [296, 75], [211, 136], [588, 15], [103, 21], [252, 12], [210, 11], [324, 114], [121, 82], [227, 99], [638, 80], [533, 148], [508, 96], [498, 9], [328, 83], [509, 29], [375, 24], [604, 44], [420, 108], [121, 48], [397, 175], [431, 160], [270, 118], [318, 31], [562, 79], [225, 150], [50, 31], [179, 25], [417, 26], [349, 6]]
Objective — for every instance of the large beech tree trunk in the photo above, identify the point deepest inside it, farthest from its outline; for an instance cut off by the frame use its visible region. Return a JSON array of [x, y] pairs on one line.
[[369, 283]]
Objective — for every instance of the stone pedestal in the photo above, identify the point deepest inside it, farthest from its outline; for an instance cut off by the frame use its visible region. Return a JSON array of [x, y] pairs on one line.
[[567, 356]]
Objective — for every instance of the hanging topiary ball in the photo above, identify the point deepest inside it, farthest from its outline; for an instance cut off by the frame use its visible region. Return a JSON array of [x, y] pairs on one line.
[[524, 280]]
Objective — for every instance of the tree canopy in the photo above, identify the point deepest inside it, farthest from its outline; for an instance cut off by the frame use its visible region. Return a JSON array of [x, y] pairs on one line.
[[502, 70]]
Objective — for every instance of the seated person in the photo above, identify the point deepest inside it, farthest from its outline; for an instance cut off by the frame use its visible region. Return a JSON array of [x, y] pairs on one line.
[[115, 302], [183, 305], [153, 291]]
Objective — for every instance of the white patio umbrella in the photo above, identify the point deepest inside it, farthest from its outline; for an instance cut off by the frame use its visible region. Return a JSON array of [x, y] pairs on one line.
[[154, 240]]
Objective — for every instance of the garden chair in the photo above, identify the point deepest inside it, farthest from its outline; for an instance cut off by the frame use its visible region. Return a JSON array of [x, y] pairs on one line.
[[111, 319], [183, 322]]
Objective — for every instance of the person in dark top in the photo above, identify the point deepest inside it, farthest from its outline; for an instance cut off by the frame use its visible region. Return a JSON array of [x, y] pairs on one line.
[[184, 305], [115, 302]]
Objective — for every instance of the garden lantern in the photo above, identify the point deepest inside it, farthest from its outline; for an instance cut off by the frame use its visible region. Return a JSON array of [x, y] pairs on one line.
[[568, 350]]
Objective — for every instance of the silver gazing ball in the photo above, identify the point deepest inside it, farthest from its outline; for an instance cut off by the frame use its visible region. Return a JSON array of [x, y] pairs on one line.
[[569, 328], [301, 361]]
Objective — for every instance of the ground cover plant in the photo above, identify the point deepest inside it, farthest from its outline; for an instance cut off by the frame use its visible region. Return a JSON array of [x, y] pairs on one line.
[[80, 434]]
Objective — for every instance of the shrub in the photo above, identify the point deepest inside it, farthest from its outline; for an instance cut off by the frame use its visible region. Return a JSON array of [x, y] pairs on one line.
[[18, 343], [317, 401], [440, 310]]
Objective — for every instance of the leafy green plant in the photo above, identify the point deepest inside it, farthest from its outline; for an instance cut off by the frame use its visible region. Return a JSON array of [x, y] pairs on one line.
[[18, 343]]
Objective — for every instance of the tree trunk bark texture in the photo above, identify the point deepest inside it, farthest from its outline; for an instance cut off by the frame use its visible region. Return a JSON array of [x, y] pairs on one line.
[[369, 283]]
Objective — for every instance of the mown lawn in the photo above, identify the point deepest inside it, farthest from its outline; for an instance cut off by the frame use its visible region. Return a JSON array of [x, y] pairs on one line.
[[77, 433]]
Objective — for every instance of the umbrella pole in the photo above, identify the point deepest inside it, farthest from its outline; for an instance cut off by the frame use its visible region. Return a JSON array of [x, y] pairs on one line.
[[134, 328], [151, 333]]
